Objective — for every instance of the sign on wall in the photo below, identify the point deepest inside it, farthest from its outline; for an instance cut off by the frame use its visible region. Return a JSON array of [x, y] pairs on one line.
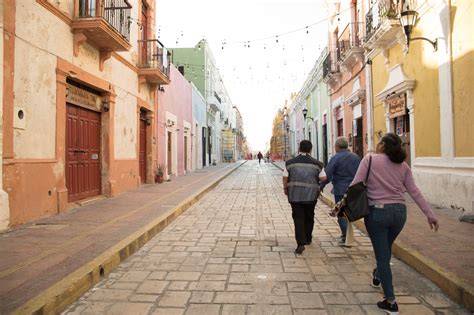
[[396, 105], [83, 98]]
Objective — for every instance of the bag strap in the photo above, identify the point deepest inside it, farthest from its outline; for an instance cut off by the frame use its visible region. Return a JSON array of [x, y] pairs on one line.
[[368, 170]]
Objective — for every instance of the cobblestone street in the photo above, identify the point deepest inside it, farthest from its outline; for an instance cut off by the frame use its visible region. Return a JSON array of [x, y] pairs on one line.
[[232, 253]]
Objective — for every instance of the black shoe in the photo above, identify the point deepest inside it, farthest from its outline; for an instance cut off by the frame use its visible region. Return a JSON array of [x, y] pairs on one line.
[[308, 242], [389, 308], [299, 249], [375, 279]]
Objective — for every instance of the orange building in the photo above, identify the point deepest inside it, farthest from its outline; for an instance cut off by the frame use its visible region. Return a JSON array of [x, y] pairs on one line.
[[79, 92]]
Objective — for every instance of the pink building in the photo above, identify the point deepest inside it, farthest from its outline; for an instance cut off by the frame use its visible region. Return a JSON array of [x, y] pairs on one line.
[[174, 126], [343, 71]]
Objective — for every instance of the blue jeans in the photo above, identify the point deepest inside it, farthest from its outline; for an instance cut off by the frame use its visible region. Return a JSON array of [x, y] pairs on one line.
[[384, 225], [341, 220]]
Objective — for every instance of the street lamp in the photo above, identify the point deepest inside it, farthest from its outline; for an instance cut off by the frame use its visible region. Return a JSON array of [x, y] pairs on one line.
[[305, 112], [407, 21]]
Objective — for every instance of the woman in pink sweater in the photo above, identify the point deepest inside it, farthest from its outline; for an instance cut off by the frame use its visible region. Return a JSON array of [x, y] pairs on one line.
[[390, 177]]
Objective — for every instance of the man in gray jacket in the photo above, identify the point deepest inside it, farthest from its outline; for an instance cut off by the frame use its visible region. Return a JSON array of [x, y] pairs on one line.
[[301, 184]]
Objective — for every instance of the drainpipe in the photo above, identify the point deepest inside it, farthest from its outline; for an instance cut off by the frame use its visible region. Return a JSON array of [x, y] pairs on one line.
[[368, 97]]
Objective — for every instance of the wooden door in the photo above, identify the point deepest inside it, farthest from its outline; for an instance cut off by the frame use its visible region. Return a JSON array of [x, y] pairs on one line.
[[82, 153], [185, 153], [203, 146], [325, 144], [358, 147], [340, 128], [142, 149], [170, 153]]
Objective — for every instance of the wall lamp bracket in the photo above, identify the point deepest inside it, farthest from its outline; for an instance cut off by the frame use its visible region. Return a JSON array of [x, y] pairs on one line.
[[432, 42], [408, 20]]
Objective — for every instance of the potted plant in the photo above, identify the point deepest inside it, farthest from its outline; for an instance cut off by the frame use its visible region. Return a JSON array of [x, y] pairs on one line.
[[159, 173]]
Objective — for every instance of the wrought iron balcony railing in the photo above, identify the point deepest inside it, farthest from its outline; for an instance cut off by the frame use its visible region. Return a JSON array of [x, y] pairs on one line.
[[330, 65], [349, 38], [115, 12], [152, 54], [380, 11]]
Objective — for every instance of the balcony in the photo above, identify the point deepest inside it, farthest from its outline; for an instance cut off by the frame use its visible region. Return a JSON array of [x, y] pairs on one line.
[[214, 102], [153, 62], [350, 46], [331, 72], [104, 24], [382, 24]]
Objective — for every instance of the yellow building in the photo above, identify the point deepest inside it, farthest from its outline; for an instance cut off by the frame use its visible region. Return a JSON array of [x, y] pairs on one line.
[[279, 141], [422, 93]]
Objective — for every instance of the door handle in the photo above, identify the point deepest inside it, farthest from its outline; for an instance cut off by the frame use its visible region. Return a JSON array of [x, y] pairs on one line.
[[79, 151]]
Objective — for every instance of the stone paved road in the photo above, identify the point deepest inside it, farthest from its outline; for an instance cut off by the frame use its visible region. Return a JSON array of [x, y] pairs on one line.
[[232, 253]]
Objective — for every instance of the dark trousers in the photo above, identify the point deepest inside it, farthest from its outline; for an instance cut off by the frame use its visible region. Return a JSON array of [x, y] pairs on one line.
[[384, 225], [303, 217]]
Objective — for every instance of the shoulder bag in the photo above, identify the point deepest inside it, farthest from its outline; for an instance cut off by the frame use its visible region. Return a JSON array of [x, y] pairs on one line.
[[356, 202]]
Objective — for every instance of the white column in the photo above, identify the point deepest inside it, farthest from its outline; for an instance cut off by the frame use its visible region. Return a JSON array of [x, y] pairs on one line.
[[411, 113], [445, 84], [368, 97], [4, 205]]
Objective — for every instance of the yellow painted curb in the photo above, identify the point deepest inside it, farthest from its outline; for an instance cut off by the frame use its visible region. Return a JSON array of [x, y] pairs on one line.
[[63, 293], [455, 287]]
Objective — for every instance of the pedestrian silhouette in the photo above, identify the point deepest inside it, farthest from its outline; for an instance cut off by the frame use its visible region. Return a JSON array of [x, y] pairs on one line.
[[259, 156], [301, 184], [389, 178], [341, 171]]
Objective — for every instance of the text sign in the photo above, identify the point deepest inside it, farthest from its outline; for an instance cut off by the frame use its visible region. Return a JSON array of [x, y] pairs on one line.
[[83, 98], [396, 105]]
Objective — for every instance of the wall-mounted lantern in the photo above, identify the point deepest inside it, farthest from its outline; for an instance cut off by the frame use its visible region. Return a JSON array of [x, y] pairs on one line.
[[408, 20], [105, 106]]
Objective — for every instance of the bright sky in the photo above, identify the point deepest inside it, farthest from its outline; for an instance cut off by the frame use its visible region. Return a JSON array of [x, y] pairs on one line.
[[261, 77]]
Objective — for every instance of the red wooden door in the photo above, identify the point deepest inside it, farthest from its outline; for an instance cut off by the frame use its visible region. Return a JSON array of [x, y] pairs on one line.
[[142, 150], [82, 153], [340, 128]]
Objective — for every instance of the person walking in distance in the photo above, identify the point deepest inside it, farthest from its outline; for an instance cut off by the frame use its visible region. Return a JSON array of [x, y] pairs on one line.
[[259, 156], [301, 179], [341, 170], [389, 178]]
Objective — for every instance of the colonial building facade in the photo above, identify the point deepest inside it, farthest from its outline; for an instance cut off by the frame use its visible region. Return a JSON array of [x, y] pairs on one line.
[[78, 101], [198, 65], [421, 92], [344, 72], [379, 81]]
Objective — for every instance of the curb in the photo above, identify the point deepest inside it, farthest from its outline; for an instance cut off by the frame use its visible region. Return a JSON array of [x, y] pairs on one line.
[[63, 293], [455, 287]]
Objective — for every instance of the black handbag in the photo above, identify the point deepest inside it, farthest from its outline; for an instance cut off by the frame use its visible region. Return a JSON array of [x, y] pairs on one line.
[[356, 202]]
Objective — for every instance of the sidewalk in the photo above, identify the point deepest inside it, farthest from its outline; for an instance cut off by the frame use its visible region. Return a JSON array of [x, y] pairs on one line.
[[47, 265], [446, 257]]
